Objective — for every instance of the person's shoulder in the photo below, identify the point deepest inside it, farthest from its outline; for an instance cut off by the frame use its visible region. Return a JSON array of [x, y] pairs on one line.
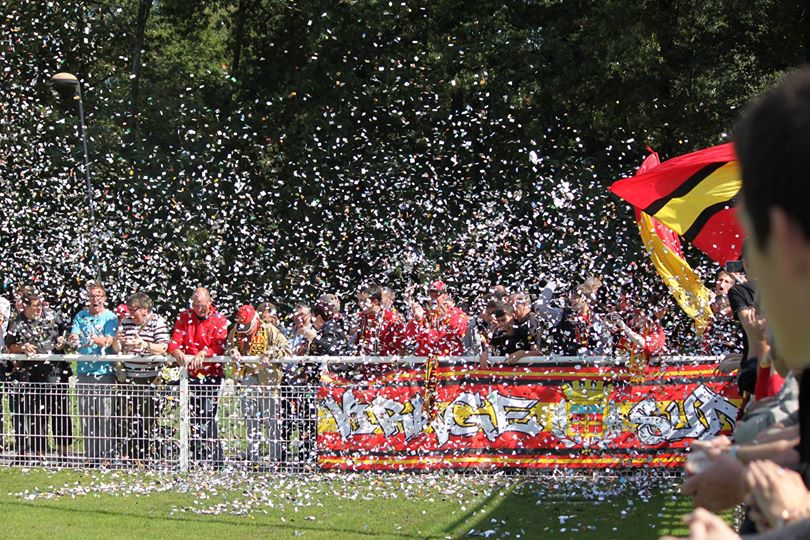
[[18, 319], [157, 320], [272, 329], [458, 313], [523, 329], [744, 289]]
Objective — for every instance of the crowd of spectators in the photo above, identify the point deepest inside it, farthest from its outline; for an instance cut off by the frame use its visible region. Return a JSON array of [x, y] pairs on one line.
[[507, 327]]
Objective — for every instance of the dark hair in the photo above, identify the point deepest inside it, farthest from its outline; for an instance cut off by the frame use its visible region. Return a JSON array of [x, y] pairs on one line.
[[375, 292], [772, 142], [323, 310], [503, 309], [29, 297]]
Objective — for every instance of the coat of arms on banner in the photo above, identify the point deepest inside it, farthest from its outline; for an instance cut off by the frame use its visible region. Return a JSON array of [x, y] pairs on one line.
[[586, 416]]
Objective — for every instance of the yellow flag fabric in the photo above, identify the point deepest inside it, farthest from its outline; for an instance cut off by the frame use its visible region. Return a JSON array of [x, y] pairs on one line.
[[683, 282]]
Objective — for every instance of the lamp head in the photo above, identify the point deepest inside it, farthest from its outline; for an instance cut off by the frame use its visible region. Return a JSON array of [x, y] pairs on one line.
[[67, 85]]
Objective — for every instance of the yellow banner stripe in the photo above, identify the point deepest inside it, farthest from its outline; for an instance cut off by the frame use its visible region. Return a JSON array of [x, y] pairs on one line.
[[609, 370], [681, 212], [519, 460]]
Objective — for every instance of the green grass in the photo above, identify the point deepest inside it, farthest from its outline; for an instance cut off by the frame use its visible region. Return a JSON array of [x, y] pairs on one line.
[[126, 505]]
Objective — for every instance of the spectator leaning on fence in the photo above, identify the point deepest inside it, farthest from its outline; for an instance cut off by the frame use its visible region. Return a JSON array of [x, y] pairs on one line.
[[199, 333], [259, 382], [302, 323], [380, 333], [510, 336], [142, 333], [31, 333], [327, 338], [480, 329], [92, 333], [268, 313], [448, 323]]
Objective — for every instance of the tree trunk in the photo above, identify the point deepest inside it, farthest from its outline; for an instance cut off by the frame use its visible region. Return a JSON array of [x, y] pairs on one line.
[[144, 7], [238, 35]]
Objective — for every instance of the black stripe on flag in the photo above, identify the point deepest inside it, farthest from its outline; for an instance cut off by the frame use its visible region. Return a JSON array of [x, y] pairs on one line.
[[686, 186], [705, 216]]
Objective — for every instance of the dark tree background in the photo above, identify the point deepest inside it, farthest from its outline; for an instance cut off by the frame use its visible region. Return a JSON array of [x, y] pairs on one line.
[[274, 150]]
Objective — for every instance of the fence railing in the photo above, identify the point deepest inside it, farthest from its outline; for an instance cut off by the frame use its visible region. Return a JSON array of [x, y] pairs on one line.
[[177, 422]]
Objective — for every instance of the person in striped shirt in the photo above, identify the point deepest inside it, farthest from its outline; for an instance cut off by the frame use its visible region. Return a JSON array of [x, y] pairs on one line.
[[143, 333]]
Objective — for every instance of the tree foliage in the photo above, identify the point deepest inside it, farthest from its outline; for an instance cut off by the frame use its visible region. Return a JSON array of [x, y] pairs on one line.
[[274, 149]]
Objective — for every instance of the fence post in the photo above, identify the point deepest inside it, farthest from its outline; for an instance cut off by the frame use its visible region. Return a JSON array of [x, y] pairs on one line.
[[184, 419]]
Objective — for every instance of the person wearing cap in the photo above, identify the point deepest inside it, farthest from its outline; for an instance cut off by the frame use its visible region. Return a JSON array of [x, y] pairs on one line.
[[144, 333], [122, 312], [260, 381], [200, 333]]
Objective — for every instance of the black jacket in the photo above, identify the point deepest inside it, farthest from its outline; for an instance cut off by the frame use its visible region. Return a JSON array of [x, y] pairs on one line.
[[331, 340]]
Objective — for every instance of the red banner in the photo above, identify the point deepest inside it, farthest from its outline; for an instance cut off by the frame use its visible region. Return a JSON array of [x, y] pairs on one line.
[[537, 416]]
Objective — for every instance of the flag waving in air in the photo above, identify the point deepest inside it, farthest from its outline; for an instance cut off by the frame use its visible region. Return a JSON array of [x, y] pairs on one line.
[[694, 195], [664, 248]]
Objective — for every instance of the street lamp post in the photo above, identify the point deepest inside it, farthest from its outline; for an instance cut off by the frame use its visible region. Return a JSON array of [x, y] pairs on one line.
[[69, 87]]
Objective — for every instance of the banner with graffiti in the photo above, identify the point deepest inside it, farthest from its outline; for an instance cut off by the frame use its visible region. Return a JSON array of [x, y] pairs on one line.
[[529, 416]]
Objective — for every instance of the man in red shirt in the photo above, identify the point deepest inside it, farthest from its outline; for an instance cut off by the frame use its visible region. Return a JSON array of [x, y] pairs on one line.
[[441, 331], [380, 329], [379, 333], [448, 321], [199, 333]]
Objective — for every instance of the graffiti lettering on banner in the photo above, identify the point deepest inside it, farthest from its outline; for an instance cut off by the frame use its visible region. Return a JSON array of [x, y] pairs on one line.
[[524, 417]]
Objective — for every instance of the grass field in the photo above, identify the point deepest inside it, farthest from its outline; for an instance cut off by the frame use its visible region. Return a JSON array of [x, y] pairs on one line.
[[69, 504]]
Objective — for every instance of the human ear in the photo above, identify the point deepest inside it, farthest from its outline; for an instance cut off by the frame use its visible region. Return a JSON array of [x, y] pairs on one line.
[[790, 246]]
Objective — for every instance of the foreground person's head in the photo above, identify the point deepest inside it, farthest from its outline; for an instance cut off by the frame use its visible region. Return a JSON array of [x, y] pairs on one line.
[[772, 144]]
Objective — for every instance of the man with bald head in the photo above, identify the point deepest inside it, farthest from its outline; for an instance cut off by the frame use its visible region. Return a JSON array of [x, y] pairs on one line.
[[199, 333]]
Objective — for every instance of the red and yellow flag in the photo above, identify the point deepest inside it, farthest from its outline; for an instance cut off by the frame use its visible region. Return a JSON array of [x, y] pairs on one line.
[[694, 195], [664, 248]]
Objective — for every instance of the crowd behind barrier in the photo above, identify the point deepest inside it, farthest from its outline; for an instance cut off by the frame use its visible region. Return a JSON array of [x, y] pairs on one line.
[[263, 427], [128, 388]]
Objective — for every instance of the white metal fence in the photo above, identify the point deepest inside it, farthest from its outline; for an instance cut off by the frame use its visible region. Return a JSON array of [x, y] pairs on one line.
[[177, 422]]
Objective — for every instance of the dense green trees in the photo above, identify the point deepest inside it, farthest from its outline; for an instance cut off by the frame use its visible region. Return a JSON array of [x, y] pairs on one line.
[[273, 149]]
